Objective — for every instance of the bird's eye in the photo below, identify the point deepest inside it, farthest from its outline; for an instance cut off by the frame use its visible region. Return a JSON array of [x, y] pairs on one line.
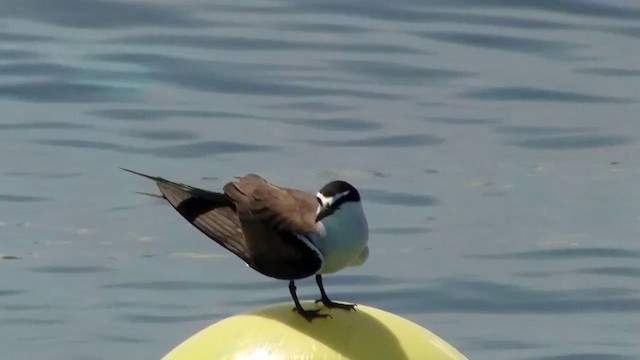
[[319, 201]]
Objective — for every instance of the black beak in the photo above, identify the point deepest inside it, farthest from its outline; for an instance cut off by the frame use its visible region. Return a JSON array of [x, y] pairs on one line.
[[324, 212]]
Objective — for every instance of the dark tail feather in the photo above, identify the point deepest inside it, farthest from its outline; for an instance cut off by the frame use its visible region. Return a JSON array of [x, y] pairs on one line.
[[210, 212]]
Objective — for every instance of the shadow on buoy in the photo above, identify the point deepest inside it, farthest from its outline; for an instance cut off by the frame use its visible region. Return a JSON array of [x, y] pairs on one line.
[[278, 333]]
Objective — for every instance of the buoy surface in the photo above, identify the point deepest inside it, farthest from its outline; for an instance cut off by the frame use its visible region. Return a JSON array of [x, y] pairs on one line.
[[278, 333]]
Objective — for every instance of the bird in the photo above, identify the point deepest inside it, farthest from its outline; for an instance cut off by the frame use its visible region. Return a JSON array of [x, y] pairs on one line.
[[280, 232]]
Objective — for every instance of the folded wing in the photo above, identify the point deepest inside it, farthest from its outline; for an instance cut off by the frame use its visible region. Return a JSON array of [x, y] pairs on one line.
[[261, 241]]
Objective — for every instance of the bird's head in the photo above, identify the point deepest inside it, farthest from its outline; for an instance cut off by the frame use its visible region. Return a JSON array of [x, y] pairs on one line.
[[335, 196]]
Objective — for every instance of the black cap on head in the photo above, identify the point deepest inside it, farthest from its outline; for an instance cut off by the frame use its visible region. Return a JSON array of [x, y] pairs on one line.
[[340, 187], [341, 192]]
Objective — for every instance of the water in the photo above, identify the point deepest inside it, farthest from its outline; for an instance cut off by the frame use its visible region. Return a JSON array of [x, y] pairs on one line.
[[495, 143]]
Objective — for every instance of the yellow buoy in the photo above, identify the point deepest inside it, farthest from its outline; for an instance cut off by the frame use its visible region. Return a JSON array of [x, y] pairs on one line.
[[278, 333]]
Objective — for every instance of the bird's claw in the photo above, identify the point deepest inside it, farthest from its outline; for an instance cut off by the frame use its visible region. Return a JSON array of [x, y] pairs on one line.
[[309, 315], [334, 305]]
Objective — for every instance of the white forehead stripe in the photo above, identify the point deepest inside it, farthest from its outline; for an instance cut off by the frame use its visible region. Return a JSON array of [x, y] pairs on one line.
[[327, 201]]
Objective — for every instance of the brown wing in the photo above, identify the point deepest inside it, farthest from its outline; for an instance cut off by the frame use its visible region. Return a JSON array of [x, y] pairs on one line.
[[215, 215], [271, 220], [277, 208]]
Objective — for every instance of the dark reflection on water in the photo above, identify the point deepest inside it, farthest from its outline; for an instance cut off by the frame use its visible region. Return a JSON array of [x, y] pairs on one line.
[[583, 356], [21, 198], [625, 271], [204, 148], [461, 121], [391, 12], [191, 150], [15, 54], [24, 307], [143, 305], [70, 269], [43, 125], [29, 321], [523, 93], [100, 14], [335, 124], [312, 27], [253, 44], [584, 8], [4, 292], [618, 271], [408, 230], [398, 74], [159, 114], [383, 141], [20, 37], [398, 198], [312, 106], [572, 142], [500, 344], [166, 319], [65, 91], [631, 31], [162, 134], [565, 253], [540, 130], [125, 339], [607, 71], [544, 48], [268, 284]]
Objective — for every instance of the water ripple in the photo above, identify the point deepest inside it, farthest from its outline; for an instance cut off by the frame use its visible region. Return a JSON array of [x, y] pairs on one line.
[[253, 44], [486, 297], [166, 319], [125, 339], [523, 93], [609, 71], [69, 269], [29, 321], [43, 125], [623, 271], [461, 121], [312, 106], [584, 356], [398, 198], [573, 142], [65, 91], [400, 230], [180, 286], [544, 48], [233, 77], [383, 141], [21, 198], [190, 150], [15, 54], [398, 74], [565, 253], [99, 14], [205, 148], [317, 27], [540, 130], [163, 114], [162, 134], [21, 37], [10, 292], [335, 124], [501, 344]]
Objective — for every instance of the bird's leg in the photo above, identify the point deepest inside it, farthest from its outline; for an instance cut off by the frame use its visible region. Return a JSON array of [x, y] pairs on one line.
[[307, 314], [327, 302]]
